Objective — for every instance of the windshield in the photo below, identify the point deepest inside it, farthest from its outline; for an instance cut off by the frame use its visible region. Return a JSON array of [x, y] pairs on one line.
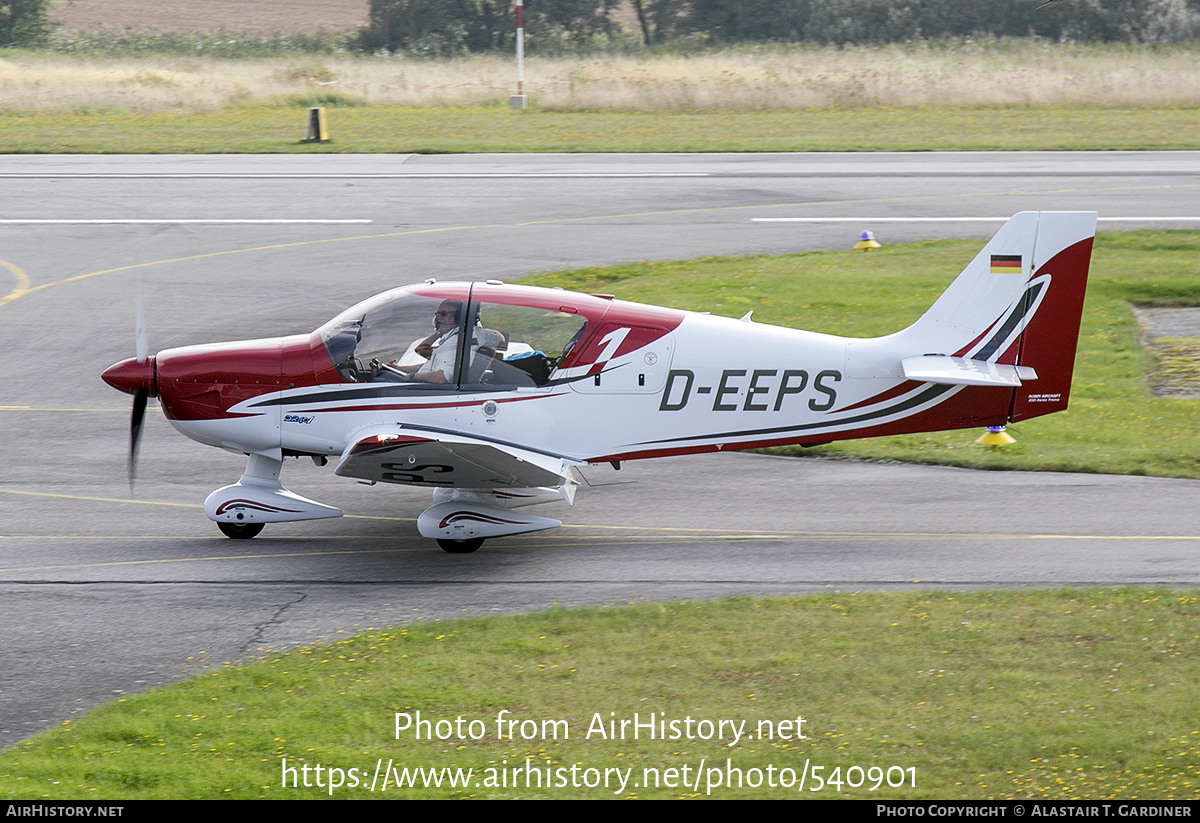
[[386, 329]]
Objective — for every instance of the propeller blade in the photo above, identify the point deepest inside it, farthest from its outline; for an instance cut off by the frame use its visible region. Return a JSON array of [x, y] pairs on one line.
[[140, 398], [139, 332]]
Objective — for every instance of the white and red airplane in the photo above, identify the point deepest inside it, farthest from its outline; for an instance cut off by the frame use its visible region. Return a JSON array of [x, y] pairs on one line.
[[517, 386]]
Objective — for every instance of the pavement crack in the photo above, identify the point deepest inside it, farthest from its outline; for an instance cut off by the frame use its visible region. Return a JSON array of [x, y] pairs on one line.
[[276, 619]]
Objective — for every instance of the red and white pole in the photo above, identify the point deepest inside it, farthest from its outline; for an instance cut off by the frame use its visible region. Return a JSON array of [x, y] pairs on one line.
[[518, 100]]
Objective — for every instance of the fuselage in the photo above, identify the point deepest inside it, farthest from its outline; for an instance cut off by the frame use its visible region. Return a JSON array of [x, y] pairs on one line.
[[638, 382]]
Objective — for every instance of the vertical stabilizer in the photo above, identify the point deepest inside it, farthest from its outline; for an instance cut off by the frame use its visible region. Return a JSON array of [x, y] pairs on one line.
[[1012, 317]]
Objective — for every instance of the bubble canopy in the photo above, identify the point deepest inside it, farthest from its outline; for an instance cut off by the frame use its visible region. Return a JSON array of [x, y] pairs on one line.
[[446, 336]]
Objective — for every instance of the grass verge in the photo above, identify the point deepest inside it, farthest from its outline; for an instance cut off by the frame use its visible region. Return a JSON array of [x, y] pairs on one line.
[[1115, 424], [384, 129], [999, 694]]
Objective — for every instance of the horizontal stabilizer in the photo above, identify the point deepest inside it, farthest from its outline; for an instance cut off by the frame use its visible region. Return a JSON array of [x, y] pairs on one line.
[[963, 371]]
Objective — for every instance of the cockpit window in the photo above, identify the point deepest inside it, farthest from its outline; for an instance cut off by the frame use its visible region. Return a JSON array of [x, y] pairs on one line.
[[402, 337], [532, 344]]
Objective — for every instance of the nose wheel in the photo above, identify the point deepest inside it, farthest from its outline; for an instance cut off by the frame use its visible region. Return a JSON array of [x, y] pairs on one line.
[[240, 531], [461, 546]]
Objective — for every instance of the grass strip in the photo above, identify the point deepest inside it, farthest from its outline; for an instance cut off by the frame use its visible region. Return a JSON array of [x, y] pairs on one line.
[[996, 694], [382, 129]]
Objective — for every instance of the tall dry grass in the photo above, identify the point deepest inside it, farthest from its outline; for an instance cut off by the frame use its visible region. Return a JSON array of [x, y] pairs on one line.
[[1014, 73]]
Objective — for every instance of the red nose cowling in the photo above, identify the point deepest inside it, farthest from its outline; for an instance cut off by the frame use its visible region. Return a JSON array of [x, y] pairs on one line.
[[130, 375]]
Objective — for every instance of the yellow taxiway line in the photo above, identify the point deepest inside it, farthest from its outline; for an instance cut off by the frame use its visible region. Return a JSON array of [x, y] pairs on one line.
[[22, 283], [673, 532]]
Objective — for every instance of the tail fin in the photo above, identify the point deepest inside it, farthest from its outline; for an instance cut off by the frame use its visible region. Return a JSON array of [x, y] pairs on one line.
[[1012, 317]]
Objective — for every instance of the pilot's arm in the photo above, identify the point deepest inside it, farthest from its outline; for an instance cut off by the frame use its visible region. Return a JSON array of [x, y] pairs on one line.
[[430, 377], [423, 349]]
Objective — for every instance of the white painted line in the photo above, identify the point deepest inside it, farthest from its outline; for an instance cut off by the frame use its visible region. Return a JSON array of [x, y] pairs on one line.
[[169, 222], [955, 219], [520, 174], [339, 176], [877, 219], [1148, 219]]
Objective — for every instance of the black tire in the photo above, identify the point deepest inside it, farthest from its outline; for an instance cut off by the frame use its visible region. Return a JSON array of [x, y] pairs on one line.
[[240, 531], [461, 546]]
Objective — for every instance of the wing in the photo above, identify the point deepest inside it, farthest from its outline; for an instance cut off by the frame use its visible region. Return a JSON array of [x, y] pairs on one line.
[[440, 459]]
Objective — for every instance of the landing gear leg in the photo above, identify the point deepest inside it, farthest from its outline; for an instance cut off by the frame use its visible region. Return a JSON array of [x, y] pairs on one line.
[[460, 546], [241, 510]]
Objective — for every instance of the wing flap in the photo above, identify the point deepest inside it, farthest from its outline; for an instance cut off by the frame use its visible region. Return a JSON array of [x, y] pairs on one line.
[[416, 457], [962, 371]]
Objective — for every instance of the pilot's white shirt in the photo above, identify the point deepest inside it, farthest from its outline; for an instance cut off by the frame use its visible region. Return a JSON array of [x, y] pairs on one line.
[[445, 351]]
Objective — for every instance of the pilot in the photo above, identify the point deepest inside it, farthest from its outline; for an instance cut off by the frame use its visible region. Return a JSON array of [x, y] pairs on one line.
[[440, 348]]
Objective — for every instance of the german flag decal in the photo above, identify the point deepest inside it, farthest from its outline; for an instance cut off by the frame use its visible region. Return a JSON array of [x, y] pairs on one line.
[[1006, 264]]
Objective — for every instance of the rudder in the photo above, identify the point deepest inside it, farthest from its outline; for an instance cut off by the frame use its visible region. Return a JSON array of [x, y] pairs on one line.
[[1051, 336]]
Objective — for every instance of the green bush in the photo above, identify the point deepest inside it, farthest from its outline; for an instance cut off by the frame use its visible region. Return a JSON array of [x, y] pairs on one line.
[[23, 22]]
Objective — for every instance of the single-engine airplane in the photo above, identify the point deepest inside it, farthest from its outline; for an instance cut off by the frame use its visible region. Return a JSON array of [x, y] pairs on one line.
[[515, 386]]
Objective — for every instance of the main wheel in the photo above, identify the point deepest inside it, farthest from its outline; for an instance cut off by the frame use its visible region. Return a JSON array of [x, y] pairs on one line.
[[460, 546], [239, 531]]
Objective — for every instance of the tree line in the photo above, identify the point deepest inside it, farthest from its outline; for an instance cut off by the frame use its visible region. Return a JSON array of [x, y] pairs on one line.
[[23, 22], [449, 27], [446, 27]]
